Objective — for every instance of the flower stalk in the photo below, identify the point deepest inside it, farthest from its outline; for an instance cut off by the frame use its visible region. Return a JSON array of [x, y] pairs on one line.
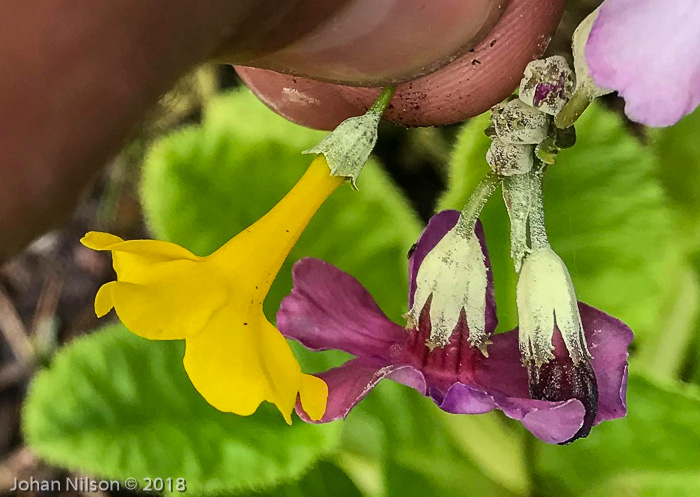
[[586, 90], [477, 200], [538, 231]]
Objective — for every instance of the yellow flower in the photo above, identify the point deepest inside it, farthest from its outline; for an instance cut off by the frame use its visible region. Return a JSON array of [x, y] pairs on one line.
[[234, 357]]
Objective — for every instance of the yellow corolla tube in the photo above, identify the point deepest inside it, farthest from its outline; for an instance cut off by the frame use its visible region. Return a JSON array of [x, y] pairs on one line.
[[234, 356]]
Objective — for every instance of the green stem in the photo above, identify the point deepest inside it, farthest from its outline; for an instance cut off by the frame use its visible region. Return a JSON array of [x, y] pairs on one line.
[[531, 460], [380, 105], [538, 231], [573, 109], [477, 200]]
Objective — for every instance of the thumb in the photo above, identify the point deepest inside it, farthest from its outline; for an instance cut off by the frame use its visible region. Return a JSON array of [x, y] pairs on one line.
[[372, 42]]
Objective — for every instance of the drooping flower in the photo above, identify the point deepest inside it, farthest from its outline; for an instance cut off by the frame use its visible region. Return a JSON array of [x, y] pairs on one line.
[[234, 357], [329, 309], [647, 51], [552, 337]]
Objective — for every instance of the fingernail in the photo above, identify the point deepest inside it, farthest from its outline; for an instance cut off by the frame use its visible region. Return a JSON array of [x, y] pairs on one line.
[[372, 41]]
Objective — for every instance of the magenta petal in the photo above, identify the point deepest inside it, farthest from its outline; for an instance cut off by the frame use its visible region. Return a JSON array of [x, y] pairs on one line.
[[351, 382], [551, 422], [608, 340], [647, 51], [329, 309], [503, 370], [409, 376], [465, 399], [501, 382]]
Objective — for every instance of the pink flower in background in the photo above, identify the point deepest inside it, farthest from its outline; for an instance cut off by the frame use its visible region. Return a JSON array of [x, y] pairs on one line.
[[647, 50]]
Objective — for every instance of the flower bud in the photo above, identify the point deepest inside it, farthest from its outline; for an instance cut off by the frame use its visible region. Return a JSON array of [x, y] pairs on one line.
[[507, 159], [547, 84], [516, 122]]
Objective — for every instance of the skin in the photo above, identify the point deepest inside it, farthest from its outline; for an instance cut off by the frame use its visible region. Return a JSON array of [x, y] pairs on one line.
[[77, 75]]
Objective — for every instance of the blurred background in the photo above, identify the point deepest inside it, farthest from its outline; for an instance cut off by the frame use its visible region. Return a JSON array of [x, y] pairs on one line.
[[84, 398]]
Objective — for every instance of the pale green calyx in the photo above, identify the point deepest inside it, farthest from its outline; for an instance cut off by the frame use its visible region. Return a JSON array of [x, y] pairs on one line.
[[508, 159], [349, 146], [546, 299], [586, 90], [518, 123], [454, 276]]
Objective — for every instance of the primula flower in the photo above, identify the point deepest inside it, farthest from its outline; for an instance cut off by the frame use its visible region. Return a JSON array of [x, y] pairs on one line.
[[329, 309], [647, 51], [234, 357], [552, 335]]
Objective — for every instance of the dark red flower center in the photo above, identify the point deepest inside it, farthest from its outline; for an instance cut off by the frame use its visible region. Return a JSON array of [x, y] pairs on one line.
[[442, 366], [559, 379]]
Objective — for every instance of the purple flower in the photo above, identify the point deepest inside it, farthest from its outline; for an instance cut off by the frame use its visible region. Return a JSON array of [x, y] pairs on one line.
[[329, 309], [647, 50]]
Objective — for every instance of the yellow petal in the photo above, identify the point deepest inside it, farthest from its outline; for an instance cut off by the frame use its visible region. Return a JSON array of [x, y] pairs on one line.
[[97, 240], [172, 300], [103, 299], [134, 254], [265, 245], [313, 393], [240, 361]]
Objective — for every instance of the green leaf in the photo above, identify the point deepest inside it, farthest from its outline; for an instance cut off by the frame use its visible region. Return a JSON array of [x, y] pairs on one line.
[[492, 443], [607, 217], [653, 452], [678, 150], [664, 355], [425, 451], [118, 406], [205, 184], [325, 479]]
